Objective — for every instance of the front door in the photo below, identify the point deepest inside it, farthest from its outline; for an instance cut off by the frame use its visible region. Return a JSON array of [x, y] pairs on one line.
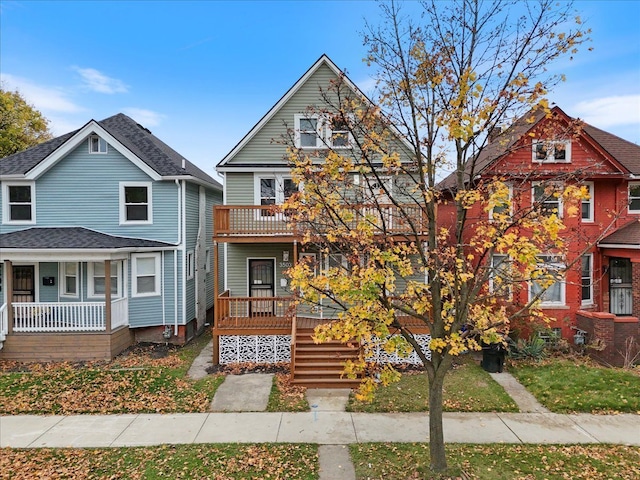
[[24, 287], [620, 290], [261, 284]]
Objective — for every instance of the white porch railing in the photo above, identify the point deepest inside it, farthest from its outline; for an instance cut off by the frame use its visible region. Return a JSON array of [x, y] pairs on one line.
[[4, 322], [32, 317]]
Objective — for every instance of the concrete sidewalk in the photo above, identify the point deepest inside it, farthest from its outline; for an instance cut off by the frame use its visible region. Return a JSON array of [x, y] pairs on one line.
[[321, 427]]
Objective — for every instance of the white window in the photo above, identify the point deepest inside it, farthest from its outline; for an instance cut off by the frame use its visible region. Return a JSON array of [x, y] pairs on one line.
[[273, 190], [19, 202], [336, 260], [551, 151], [338, 134], [190, 265], [548, 196], [587, 279], [551, 276], [145, 272], [207, 260], [503, 209], [97, 144], [634, 197], [96, 276], [310, 259], [587, 204], [500, 277], [308, 131], [69, 279], [135, 203]]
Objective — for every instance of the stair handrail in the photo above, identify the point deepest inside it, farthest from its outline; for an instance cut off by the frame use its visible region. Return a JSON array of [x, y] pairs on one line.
[[294, 332]]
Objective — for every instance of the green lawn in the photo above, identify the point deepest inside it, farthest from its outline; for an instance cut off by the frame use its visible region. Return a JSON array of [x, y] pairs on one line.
[[220, 461], [467, 388], [498, 462], [566, 386]]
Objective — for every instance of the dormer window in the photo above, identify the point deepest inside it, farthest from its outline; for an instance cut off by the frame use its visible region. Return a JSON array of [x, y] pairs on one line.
[[97, 144], [552, 151]]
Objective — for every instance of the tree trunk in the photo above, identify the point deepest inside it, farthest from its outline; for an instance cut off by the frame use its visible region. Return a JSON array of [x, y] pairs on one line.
[[436, 432]]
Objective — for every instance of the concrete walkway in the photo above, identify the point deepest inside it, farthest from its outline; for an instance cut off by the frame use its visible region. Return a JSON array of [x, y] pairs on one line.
[[324, 428], [526, 402]]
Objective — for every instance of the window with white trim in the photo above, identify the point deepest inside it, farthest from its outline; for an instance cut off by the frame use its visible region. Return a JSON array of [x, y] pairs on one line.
[[19, 202], [308, 131], [587, 204], [145, 273], [587, 279], [634, 197], [548, 196], [69, 279], [336, 260], [190, 265], [503, 208], [549, 280], [551, 151], [136, 203], [96, 279], [207, 260], [338, 134], [273, 190], [499, 277], [97, 144]]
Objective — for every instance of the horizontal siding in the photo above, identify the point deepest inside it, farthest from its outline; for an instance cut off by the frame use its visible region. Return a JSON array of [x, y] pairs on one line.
[[237, 265], [239, 188]]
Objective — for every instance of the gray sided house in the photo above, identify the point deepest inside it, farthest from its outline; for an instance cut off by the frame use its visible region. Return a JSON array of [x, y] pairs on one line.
[[105, 239], [255, 319]]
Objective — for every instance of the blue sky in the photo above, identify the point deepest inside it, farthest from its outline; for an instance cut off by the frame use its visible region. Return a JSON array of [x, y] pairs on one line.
[[200, 74]]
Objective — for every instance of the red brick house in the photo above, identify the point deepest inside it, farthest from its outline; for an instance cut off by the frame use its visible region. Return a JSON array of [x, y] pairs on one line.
[[600, 290]]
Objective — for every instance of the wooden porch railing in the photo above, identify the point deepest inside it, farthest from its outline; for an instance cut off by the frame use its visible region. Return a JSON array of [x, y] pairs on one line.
[[245, 220], [253, 312], [41, 317]]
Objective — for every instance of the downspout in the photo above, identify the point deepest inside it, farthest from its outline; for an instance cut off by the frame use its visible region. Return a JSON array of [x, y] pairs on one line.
[[183, 237], [175, 257], [164, 313]]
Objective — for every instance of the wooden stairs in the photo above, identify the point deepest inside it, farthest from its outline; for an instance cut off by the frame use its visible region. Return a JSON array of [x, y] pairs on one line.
[[321, 365]]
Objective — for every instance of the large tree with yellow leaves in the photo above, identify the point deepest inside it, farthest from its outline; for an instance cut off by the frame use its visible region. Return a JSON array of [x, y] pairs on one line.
[[369, 201]]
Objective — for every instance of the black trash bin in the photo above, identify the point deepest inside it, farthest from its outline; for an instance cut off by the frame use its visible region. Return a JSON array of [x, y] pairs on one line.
[[493, 357]]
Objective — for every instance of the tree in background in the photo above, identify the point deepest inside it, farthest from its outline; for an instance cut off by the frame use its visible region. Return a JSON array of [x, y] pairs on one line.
[[21, 125], [369, 201]]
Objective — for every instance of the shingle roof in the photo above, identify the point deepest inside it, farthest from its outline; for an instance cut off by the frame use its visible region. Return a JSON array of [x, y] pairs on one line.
[[626, 235], [71, 238], [140, 141], [625, 152]]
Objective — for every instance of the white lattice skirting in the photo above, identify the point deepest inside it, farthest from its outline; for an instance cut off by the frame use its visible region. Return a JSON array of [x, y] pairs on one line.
[[277, 348]]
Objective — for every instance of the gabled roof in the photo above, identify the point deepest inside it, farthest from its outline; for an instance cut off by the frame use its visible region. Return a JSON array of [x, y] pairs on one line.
[[620, 151], [137, 140], [72, 238], [323, 60], [626, 236]]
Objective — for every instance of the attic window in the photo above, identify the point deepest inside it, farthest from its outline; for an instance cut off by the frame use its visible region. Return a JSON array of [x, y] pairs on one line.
[[551, 151], [308, 131], [97, 144]]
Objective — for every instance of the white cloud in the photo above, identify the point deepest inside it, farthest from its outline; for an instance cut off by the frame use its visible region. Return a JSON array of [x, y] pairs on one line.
[[147, 118], [101, 83], [609, 111], [45, 98]]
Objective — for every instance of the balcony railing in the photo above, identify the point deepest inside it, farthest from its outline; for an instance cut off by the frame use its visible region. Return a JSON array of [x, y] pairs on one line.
[[260, 220], [254, 312], [42, 317]]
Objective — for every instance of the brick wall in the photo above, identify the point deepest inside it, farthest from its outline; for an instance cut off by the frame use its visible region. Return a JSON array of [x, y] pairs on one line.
[[610, 331]]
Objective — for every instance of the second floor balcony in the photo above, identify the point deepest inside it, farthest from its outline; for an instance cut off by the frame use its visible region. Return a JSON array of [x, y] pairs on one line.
[[260, 223]]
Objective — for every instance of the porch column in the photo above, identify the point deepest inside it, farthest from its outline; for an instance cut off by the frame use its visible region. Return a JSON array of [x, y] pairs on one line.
[[107, 296], [295, 252], [8, 282], [216, 293]]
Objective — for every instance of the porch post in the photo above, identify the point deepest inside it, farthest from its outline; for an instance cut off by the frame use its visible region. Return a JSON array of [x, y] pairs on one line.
[[8, 282], [107, 296], [295, 252], [216, 293]]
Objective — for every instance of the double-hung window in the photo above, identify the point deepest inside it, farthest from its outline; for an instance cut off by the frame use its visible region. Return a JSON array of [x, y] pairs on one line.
[[634, 197], [548, 282], [308, 131], [587, 279], [19, 202], [500, 277], [548, 197], [97, 279], [503, 204], [338, 135], [97, 144], [190, 264], [587, 204], [136, 203], [145, 272], [273, 190], [69, 277], [551, 151]]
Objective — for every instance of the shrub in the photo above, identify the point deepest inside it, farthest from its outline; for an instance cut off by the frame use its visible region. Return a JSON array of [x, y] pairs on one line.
[[532, 349]]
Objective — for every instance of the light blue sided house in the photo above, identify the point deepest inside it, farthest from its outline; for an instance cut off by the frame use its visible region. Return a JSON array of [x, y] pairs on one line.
[[105, 240]]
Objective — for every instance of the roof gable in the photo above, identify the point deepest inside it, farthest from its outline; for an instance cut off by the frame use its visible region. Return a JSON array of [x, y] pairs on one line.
[[132, 140]]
